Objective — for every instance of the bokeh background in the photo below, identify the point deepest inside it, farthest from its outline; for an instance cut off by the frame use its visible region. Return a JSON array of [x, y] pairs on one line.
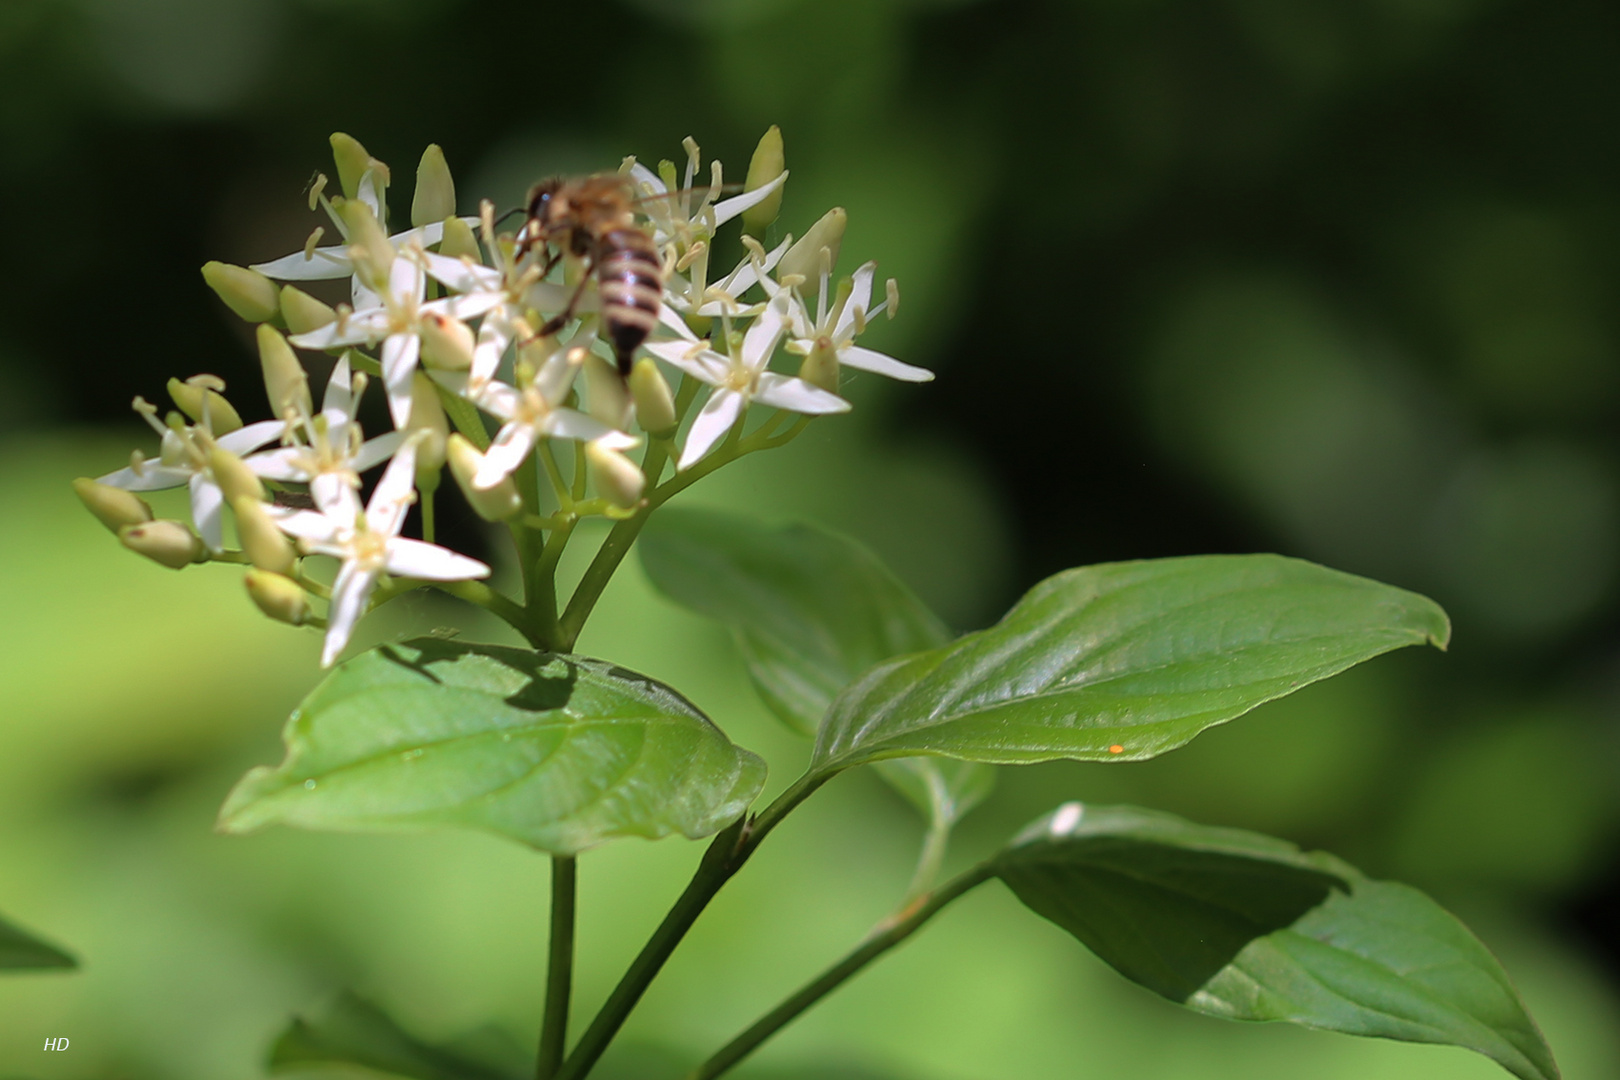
[[1336, 279]]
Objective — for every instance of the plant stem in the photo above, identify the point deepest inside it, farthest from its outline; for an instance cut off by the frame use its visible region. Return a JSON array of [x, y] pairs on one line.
[[559, 967], [719, 863], [726, 855], [884, 937]]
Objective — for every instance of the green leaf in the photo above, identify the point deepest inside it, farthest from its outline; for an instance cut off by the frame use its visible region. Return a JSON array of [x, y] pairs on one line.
[[1124, 661], [1247, 927], [558, 751], [355, 1032], [810, 610], [20, 951]]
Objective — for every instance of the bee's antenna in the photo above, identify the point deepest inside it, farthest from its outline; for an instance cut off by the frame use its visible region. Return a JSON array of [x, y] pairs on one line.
[[509, 213]]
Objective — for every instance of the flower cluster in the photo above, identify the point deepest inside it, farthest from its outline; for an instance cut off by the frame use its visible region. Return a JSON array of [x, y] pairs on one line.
[[502, 338]]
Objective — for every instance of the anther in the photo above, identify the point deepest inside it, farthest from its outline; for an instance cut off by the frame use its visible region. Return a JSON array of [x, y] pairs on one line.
[[314, 238], [315, 190]]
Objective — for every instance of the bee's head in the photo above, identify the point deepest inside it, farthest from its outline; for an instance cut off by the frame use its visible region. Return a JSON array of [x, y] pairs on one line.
[[540, 205]]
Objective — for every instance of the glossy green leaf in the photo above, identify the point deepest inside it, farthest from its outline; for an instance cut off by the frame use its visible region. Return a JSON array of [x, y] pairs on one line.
[[810, 610], [20, 951], [560, 752], [1248, 927], [354, 1032], [1124, 661]]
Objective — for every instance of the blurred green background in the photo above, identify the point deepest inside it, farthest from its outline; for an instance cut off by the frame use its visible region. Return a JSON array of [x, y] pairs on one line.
[[1336, 279]]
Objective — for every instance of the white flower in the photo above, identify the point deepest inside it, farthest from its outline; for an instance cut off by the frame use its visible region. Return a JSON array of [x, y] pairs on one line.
[[675, 220], [836, 327], [183, 460], [325, 263], [397, 324], [326, 451], [502, 291], [739, 377], [370, 546], [694, 295], [533, 411]]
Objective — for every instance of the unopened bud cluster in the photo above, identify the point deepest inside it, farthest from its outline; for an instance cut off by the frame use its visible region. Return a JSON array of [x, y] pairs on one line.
[[495, 354]]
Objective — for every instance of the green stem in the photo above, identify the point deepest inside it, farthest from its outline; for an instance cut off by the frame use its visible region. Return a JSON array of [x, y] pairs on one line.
[[559, 968], [930, 858], [885, 937], [726, 855]]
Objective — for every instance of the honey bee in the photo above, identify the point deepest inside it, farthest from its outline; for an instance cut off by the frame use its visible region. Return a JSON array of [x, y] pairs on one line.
[[593, 217]]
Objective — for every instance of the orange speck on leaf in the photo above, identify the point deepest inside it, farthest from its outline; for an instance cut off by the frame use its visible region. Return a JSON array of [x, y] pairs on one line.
[[1116, 749]]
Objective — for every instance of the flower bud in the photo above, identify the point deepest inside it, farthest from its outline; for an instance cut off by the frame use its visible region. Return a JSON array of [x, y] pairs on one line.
[[233, 476], [459, 241], [767, 165], [284, 378], [492, 504], [427, 417], [302, 312], [267, 546], [804, 257], [820, 366], [446, 343], [278, 596], [352, 162], [113, 507], [435, 197], [606, 397], [199, 396], [168, 543], [655, 407], [618, 479], [368, 244], [247, 292]]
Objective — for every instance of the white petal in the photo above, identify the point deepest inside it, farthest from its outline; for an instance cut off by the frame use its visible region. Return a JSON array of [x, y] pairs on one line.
[[369, 190], [285, 464], [462, 275], [207, 511], [399, 353], [375, 451], [430, 562], [407, 281], [796, 395], [569, 424], [322, 264], [394, 493], [361, 298], [360, 328], [860, 297], [644, 175], [308, 525], [335, 497], [426, 235], [499, 400], [350, 592], [469, 306], [512, 444], [672, 320], [870, 360], [251, 437], [494, 335], [152, 477], [719, 413], [726, 209], [702, 364], [340, 390], [760, 340]]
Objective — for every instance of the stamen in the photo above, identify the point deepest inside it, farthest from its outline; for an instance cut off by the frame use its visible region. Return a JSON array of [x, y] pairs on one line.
[[207, 382], [692, 158], [891, 289], [149, 413], [358, 384], [315, 190], [691, 256], [137, 463], [314, 238], [627, 164]]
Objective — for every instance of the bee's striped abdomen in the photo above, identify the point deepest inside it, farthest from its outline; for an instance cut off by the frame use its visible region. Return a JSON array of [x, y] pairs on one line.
[[632, 285]]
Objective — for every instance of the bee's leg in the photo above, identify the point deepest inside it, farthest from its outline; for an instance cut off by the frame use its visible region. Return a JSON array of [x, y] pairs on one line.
[[557, 321]]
